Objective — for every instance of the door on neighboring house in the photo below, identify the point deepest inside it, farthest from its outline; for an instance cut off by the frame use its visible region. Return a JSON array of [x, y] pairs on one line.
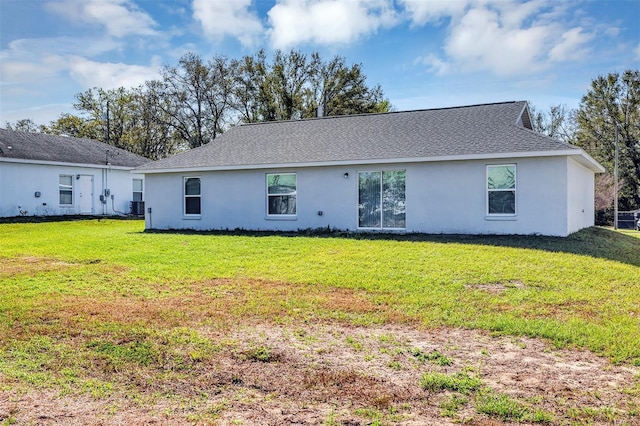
[[85, 194]]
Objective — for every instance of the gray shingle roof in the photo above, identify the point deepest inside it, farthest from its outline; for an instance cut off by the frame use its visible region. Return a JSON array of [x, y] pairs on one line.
[[61, 149], [460, 131]]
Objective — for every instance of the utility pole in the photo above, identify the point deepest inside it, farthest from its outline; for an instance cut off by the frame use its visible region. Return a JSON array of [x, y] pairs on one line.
[[108, 124], [615, 184]]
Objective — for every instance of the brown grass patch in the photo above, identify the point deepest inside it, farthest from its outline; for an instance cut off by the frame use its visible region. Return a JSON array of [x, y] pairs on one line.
[[352, 385], [30, 265], [221, 301], [496, 287]]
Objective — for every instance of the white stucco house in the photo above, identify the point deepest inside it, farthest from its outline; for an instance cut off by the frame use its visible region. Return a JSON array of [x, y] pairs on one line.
[[47, 175], [477, 169]]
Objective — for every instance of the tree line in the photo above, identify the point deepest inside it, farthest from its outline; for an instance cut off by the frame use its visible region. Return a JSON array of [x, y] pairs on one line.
[[610, 106], [196, 100]]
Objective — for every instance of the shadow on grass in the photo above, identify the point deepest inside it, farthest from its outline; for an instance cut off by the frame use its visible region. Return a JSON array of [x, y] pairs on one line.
[[65, 218], [595, 241]]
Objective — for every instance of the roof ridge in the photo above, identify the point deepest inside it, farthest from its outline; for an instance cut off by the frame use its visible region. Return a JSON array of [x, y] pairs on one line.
[[62, 137], [472, 131], [69, 138], [369, 114]]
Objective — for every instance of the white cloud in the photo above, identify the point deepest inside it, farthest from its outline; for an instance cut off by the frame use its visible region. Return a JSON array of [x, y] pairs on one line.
[[32, 60], [424, 11], [24, 71], [571, 46], [486, 39], [514, 14], [435, 64], [108, 75], [612, 31], [327, 21], [501, 37], [119, 17], [32, 47], [637, 51], [41, 114], [46, 70], [227, 18]]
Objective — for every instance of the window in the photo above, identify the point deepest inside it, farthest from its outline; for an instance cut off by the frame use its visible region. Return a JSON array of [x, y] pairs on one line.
[[281, 194], [381, 199], [137, 190], [501, 189], [192, 196], [65, 186]]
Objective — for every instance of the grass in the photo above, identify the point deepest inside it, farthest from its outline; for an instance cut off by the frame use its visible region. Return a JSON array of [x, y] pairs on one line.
[[463, 386], [434, 357], [580, 291], [452, 406], [460, 382], [507, 408], [104, 297]]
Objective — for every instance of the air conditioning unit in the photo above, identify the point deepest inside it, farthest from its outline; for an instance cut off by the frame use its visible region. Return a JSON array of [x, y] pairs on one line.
[[137, 208]]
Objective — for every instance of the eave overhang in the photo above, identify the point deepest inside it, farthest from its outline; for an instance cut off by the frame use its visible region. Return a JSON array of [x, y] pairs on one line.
[[578, 154], [65, 164]]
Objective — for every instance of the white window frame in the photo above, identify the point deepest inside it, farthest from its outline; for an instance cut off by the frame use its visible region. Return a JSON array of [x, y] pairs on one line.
[[381, 227], [63, 187], [514, 189], [295, 194], [141, 192], [185, 196]]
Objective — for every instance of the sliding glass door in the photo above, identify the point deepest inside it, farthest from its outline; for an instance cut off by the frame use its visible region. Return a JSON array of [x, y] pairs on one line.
[[381, 199]]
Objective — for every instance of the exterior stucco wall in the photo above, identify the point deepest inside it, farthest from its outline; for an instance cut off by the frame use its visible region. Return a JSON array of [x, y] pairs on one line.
[[237, 199], [451, 198], [19, 183], [580, 196], [441, 197]]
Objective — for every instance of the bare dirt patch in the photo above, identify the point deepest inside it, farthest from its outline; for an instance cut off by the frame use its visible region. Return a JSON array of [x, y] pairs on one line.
[[333, 374]]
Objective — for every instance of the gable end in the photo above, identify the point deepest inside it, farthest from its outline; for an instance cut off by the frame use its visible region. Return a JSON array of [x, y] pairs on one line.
[[524, 120]]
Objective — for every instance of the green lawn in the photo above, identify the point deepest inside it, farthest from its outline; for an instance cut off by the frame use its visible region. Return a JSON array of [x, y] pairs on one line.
[[581, 291], [78, 294]]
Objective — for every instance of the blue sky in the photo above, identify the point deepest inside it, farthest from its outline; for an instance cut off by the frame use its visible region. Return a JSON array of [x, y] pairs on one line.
[[424, 53]]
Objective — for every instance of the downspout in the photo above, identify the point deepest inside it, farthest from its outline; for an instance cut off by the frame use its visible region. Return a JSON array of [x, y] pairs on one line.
[[616, 187]]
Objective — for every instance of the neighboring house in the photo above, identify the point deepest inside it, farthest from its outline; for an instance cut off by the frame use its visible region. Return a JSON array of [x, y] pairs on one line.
[[46, 175], [477, 169]]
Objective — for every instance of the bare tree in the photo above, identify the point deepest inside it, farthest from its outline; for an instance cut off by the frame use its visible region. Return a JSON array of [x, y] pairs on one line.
[[193, 102], [23, 125], [558, 123], [196, 96]]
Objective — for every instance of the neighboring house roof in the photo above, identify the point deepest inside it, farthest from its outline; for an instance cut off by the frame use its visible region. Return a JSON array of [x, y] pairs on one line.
[[477, 131], [43, 148]]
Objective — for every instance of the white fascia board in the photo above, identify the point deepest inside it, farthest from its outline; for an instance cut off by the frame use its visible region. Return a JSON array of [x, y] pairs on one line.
[[61, 163], [589, 162], [584, 158]]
